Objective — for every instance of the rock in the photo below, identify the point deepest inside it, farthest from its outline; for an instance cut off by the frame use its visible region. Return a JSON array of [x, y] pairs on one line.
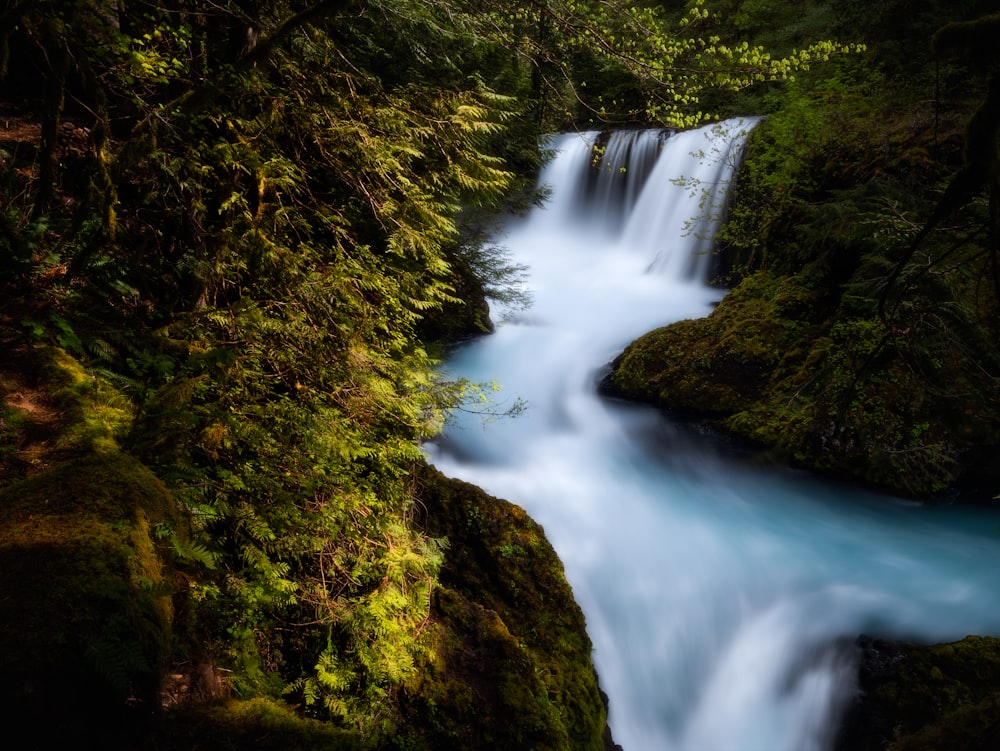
[[943, 697], [512, 665], [85, 603]]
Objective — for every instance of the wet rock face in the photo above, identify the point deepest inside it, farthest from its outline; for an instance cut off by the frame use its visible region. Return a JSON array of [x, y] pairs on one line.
[[943, 697]]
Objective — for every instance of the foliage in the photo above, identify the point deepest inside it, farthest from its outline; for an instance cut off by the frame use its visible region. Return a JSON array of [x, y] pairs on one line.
[[673, 57], [272, 227], [834, 189], [236, 223], [900, 32]]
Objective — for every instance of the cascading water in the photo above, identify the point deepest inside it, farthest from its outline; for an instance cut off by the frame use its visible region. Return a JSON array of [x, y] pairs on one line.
[[720, 598]]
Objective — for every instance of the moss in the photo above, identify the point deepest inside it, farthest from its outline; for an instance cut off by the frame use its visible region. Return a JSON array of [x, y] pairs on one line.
[[98, 415], [13, 423], [819, 380], [483, 688], [970, 728], [719, 365], [512, 666], [258, 724], [942, 697], [85, 606]]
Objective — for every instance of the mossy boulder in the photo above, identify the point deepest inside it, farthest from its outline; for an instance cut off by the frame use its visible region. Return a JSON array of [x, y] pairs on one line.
[[786, 364], [85, 602], [257, 724], [943, 697], [512, 659], [718, 365]]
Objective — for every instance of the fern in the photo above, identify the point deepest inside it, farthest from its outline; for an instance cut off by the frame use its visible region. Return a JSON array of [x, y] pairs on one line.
[[193, 552]]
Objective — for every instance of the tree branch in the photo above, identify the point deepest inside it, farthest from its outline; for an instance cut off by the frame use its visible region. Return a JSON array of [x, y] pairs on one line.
[[263, 49]]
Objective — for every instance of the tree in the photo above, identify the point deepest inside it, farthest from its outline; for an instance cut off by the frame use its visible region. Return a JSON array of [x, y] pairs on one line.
[[672, 54], [974, 41]]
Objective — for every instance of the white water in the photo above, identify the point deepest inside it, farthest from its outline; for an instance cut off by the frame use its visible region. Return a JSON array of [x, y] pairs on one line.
[[721, 599]]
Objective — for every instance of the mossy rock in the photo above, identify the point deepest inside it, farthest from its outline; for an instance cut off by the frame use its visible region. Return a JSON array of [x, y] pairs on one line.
[[252, 725], [721, 364], [85, 602], [799, 374], [512, 660], [944, 697], [694, 366], [732, 367], [97, 414]]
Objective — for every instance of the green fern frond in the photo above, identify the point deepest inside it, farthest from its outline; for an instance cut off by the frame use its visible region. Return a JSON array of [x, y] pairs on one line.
[[193, 552]]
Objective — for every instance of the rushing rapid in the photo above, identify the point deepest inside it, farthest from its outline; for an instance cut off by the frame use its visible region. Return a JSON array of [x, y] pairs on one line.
[[722, 599]]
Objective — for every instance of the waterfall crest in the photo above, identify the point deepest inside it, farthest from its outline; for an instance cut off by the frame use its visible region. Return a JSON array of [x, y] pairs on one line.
[[603, 180], [719, 597]]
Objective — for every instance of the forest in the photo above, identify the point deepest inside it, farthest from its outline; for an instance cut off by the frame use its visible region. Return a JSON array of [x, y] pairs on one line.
[[237, 237]]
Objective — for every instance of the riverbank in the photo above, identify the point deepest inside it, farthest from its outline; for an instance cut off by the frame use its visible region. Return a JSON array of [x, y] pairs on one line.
[[97, 602], [842, 346]]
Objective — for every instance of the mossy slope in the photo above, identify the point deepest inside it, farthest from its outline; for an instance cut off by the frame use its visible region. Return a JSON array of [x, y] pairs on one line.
[[93, 610], [255, 724]]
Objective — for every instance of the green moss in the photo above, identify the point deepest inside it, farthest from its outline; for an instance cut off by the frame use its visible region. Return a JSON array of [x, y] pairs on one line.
[[98, 415], [719, 365], [819, 379], [483, 689], [85, 606], [12, 424], [968, 728], [512, 665], [932, 698], [258, 724]]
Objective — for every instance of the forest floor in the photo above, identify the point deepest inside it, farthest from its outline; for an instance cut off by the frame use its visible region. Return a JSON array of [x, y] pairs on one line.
[[30, 416], [31, 419]]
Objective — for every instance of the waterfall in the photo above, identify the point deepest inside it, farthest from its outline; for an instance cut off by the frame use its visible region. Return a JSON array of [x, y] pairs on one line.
[[722, 599]]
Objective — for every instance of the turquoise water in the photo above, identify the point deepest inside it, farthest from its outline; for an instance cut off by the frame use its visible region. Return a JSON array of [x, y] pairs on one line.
[[722, 598]]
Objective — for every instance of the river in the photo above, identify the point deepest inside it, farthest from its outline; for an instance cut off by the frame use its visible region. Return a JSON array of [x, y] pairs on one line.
[[722, 597]]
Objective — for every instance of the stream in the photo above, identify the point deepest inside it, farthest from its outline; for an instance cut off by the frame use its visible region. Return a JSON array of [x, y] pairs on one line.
[[722, 598]]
